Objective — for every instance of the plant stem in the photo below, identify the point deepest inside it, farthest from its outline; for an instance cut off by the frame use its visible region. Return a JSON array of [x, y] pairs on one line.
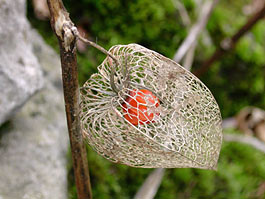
[[195, 30], [230, 43], [62, 27], [91, 43]]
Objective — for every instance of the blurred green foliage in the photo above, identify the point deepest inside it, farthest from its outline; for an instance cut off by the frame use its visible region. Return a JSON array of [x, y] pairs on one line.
[[236, 80]]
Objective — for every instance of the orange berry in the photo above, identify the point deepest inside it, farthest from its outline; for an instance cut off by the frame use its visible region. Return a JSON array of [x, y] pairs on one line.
[[137, 109]]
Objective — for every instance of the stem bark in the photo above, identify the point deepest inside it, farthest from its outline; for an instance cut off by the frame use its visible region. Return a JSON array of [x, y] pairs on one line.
[[63, 28]]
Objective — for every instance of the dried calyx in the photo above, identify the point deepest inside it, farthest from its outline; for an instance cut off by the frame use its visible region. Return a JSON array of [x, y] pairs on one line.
[[147, 111]]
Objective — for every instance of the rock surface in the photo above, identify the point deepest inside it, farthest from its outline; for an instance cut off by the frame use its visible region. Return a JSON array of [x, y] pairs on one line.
[[20, 72], [33, 144]]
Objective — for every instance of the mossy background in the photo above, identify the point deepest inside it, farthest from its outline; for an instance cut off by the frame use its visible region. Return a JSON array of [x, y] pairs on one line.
[[237, 80]]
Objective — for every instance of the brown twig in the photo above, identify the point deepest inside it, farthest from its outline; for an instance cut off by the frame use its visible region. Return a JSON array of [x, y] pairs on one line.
[[62, 27], [230, 43], [103, 50], [91, 43], [195, 30]]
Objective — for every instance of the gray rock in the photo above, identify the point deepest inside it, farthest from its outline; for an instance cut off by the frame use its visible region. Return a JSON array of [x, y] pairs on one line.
[[33, 146], [20, 72]]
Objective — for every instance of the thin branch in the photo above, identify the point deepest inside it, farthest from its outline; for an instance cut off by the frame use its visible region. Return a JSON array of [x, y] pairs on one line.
[[189, 57], [103, 50], [229, 123], [195, 30], [230, 43], [244, 139], [62, 27], [182, 12], [91, 43], [151, 184], [252, 141]]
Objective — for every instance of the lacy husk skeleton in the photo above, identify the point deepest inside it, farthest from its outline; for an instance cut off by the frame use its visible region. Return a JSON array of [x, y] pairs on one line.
[[179, 127]]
